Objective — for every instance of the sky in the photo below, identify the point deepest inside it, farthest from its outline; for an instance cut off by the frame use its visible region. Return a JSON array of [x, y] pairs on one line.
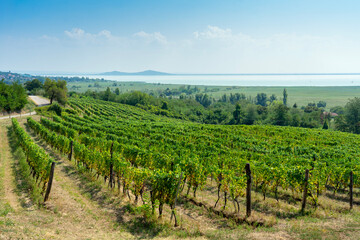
[[180, 36]]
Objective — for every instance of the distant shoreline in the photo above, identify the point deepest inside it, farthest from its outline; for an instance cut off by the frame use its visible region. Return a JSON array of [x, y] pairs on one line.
[[246, 80]]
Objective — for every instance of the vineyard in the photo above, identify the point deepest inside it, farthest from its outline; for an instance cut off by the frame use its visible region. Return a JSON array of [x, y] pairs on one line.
[[141, 153], [163, 163]]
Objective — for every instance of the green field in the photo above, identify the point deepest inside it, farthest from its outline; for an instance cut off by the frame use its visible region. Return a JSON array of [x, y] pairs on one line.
[[333, 96]]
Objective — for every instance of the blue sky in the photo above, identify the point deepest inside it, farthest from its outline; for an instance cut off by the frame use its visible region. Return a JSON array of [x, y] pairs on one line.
[[180, 36]]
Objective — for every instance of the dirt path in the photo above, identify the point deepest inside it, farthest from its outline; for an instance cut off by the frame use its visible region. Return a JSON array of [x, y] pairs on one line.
[[18, 115], [39, 101]]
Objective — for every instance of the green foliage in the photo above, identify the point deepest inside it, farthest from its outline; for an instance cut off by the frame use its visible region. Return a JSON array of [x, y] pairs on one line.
[[337, 109], [32, 85], [203, 99], [135, 98], [250, 115], [38, 160], [273, 98], [261, 99], [12, 97], [56, 90], [50, 110], [279, 114], [285, 96], [326, 125], [55, 108], [321, 104], [107, 94], [238, 114], [164, 105], [352, 115], [278, 156]]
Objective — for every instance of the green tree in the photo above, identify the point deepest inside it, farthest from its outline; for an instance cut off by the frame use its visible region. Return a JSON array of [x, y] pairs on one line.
[[279, 114], [238, 114], [326, 125], [165, 106], [250, 115], [12, 97], [337, 109], [352, 115], [321, 104], [273, 98], [56, 90], [261, 99], [285, 96], [20, 96], [295, 117], [107, 94], [117, 91], [33, 84]]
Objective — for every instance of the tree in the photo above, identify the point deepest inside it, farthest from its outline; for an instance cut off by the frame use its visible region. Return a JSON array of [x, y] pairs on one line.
[[20, 97], [337, 109], [12, 97], [326, 125], [203, 99], [250, 115], [273, 98], [238, 114], [279, 114], [352, 115], [33, 84], [261, 99], [311, 107], [107, 94], [285, 95], [295, 117], [165, 106], [117, 91], [56, 90], [321, 104]]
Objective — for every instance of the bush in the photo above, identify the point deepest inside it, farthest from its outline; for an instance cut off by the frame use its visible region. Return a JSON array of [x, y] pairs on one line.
[[55, 108]]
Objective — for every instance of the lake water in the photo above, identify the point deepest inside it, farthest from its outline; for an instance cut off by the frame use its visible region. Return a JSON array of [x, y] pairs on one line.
[[242, 80]]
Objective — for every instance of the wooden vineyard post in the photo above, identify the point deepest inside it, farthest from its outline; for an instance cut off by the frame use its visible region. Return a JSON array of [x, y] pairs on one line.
[[173, 208], [305, 190], [111, 166], [248, 190], [71, 150], [351, 190], [48, 189]]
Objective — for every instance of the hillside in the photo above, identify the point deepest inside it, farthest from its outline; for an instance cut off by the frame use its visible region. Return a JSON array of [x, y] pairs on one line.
[[138, 169]]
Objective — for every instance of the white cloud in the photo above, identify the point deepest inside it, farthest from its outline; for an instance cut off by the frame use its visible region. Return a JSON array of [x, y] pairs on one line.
[[49, 38], [80, 34], [213, 32], [75, 33], [212, 49], [152, 37]]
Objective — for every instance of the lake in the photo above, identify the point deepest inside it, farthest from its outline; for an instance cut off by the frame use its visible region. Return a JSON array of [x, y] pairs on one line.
[[241, 79]]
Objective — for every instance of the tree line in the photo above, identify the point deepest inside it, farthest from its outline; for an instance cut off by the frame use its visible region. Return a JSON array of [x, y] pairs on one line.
[[236, 108], [13, 97]]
